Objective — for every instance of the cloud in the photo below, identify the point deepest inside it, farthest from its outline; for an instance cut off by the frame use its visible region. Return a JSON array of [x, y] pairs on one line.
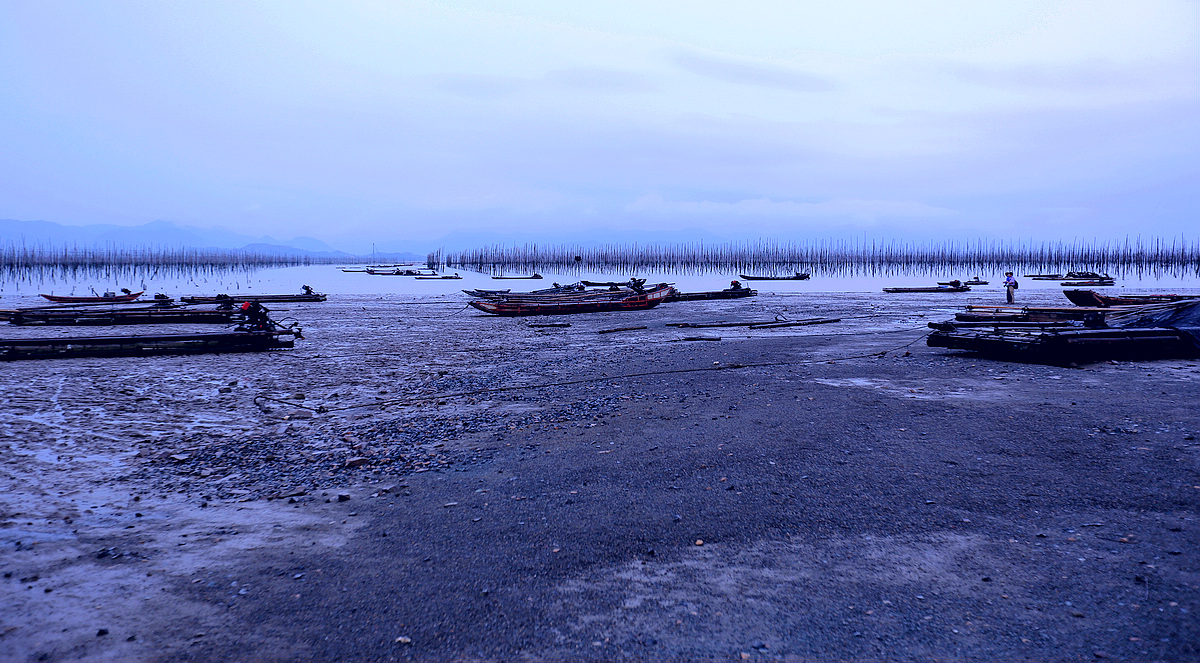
[[601, 80], [859, 209], [753, 73]]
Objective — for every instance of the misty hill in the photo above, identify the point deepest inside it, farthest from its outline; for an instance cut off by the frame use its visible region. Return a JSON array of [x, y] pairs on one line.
[[158, 234]]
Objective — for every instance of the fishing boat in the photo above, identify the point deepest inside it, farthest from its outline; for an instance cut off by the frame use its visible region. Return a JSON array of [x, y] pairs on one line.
[[309, 295], [624, 300], [401, 272], [974, 281], [1076, 275], [439, 278], [727, 293], [145, 345], [1088, 284], [534, 275], [485, 294], [1093, 298], [932, 288], [796, 277], [107, 297]]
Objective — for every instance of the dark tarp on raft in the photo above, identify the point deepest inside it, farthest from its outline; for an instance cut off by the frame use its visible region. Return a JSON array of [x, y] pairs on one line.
[[1183, 319]]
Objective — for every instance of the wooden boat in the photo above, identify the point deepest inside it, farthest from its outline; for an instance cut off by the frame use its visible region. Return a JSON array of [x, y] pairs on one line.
[[141, 316], [974, 281], [1088, 284], [1071, 346], [622, 301], [145, 345], [535, 275], [437, 278], [1093, 298], [401, 272], [937, 288], [484, 294], [107, 297], [797, 277], [307, 296], [558, 292], [713, 294], [1079, 276]]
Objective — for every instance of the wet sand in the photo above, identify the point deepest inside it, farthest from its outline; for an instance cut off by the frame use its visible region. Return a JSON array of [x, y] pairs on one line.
[[830, 492]]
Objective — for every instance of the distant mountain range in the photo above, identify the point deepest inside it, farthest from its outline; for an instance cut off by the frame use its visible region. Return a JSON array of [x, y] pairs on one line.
[[167, 234]]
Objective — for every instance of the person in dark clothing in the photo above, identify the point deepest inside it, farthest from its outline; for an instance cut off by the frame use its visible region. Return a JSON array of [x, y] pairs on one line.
[[256, 316]]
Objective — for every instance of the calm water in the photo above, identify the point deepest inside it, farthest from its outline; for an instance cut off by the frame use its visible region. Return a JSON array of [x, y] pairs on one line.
[[331, 280]]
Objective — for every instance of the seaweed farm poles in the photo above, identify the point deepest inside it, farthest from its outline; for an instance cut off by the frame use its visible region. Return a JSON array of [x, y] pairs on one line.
[[843, 256]]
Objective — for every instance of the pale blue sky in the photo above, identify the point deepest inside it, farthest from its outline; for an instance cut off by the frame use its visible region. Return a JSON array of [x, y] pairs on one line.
[[364, 121]]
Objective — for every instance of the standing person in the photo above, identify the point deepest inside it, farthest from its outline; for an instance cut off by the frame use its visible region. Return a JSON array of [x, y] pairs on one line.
[[1010, 286]]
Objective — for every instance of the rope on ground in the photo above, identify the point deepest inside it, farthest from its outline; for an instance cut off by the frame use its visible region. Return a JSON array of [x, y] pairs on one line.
[[321, 409]]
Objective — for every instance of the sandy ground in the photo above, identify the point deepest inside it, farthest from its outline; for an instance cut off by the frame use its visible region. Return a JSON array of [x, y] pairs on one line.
[[416, 481]]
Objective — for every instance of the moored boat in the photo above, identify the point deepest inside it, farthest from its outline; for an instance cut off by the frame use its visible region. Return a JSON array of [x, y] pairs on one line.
[[624, 300], [796, 277], [145, 345], [936, 288], [1093, 298], [1089, 284], [309, 295], [728, 293], [126, 296], [534, 275]]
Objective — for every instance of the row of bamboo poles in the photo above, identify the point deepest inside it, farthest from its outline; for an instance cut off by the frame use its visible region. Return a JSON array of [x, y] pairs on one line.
[[38, 260], [1174, 256]]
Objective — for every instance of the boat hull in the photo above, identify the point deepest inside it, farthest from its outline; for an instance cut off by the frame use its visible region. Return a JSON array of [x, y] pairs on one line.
[[796, 277], [569, 306], [141, 346], [715, 294], [1093, 298], [67, 299], [939, 288], [222, 299]]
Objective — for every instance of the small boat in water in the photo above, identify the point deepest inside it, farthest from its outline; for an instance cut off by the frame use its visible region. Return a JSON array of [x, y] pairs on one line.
[[535, 275], [932, 288], [1089, 284], [796, 277], [1093, 298], [126, 296], [586, 302], [435, 277], [974, 281]]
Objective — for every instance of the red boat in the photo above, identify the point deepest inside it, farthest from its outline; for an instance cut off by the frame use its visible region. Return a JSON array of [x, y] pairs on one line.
[[1093, 298], [602, 301], [96, 299]]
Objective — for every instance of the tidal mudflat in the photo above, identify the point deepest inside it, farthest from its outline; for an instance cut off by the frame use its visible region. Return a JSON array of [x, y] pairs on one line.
[[416, 481]]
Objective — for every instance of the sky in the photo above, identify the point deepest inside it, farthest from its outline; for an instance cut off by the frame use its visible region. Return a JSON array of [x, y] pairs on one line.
[[358, 122]]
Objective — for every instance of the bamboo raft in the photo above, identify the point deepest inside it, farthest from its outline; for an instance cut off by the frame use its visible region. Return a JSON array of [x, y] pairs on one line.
[[145, 345]]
